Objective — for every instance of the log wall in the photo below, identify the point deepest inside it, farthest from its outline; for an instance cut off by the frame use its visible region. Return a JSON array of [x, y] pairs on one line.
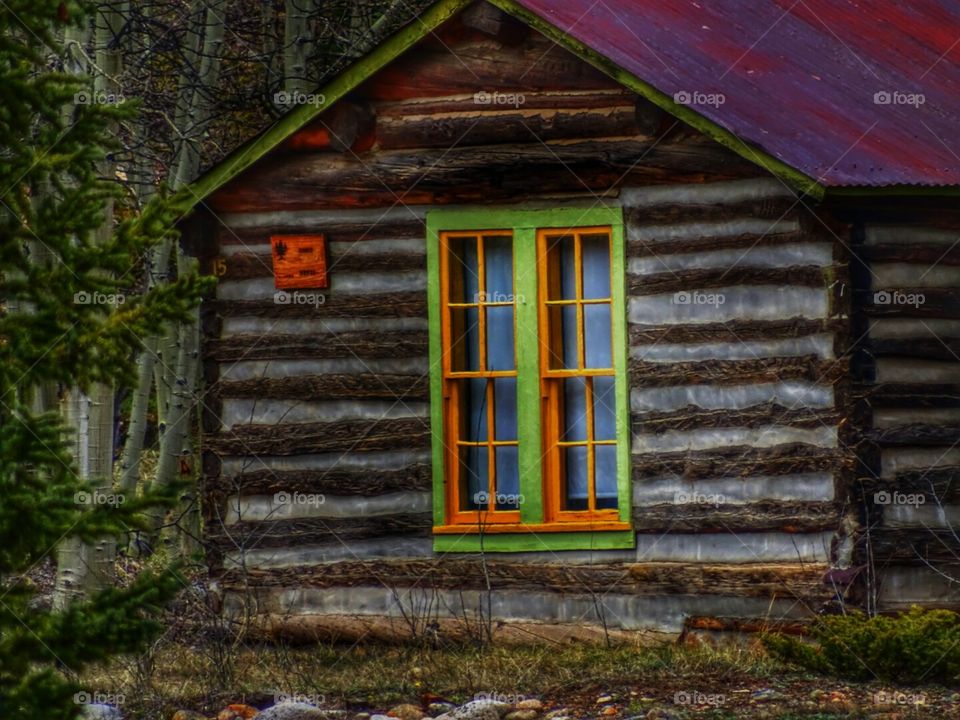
[[741, 478]]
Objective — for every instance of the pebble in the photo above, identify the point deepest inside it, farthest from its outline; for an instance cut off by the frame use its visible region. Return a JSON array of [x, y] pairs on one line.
[[188, 715], [530, 704], [237, 711], [603, 699], [557, 714], [294, 711], [406, 711], [521, 715], [436, 708], [609, 710], [100, 711]]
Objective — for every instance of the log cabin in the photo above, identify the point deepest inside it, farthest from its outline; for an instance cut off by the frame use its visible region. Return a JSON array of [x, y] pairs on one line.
[[559, 319]]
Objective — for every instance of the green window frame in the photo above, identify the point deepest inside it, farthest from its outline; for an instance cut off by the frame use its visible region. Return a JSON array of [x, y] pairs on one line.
[[524, 225]]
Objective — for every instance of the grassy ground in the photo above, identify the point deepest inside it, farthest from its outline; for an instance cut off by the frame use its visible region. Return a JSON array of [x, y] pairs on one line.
[[589, 681]]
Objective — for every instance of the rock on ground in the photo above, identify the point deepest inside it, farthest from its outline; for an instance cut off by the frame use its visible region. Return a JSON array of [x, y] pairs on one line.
[[99, 711], [294, 711], [478, 710]]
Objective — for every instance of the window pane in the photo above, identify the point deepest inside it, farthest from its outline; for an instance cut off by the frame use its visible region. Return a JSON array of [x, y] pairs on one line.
[[505, 405], [500, 338], [575, 460], [474, 477], [605, 468], [498, 266], [562, 269], [571, 353], [508, 478], [474, 411], [464, 339], [596, 336], [604, 409], [464, 269], [574, 410], [595, 254]]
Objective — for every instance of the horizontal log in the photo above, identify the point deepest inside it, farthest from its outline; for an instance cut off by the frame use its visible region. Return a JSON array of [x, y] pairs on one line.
[[298, 438], [740, 461], [332, 229], [731, 331], [736, 372], [916, 434], [696, 279], [645, 248], [368, 482], [244, 266], [940, 548], [916, 302], [911, 395], [773, 515], [470, 173], [288, 533], [910, 253], [939, 348], [938, 486], [399, 304], [771, 208], [768, 413], [478, 124], [647, 579], [614, 96], [365, 345], [364, 386]]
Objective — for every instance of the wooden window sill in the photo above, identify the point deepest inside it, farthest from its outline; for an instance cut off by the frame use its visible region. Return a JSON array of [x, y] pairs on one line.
[[583, 526]]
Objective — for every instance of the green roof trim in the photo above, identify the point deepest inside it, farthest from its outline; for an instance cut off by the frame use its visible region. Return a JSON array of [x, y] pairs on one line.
[[408, 36]]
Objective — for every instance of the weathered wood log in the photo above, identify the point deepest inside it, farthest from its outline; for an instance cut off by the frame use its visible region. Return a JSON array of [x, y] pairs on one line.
[[363, 386], [939, 348], [364, 345], [648, 579], [912, 395], [768, 413], [916, 547], [333, 229], [765, 516], [739, 372], [773, 208], [911, 253], [684, 280], [289, 533], [938, 485], [740, 461], [341, 128], [297, 438], [244, 266], [367, 482], [481, 173], [399, 304], [916, 434], [646, 248], [731, 331]]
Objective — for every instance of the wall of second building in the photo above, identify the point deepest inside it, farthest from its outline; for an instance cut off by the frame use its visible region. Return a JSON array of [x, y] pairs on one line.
[[735, 405]]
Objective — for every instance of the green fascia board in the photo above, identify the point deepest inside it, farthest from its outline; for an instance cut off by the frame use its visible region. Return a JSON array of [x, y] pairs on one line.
[[534, 542], [524, 222]]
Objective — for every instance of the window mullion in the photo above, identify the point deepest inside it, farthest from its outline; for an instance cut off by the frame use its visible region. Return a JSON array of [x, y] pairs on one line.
[[528, 374]]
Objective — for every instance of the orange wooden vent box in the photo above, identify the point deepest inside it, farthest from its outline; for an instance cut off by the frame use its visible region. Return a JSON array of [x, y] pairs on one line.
[[299, 261]]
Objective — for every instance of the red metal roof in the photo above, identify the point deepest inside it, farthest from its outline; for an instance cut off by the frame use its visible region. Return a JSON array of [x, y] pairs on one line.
[[802, 79]]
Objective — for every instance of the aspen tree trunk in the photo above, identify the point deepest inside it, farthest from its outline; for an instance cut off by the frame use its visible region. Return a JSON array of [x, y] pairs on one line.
[[298, 46]]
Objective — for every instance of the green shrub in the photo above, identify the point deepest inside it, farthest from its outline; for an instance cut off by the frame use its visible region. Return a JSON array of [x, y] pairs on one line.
[[916, 646]]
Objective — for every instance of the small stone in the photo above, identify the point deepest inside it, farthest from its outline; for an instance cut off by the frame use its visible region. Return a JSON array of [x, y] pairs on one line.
[[237, 711], [604, 699], [659, 713], [765, 695], [530, 704], [478, 710], [361, 716], [188, 715], [293, 710], [100, 711], [557, 714], [406, 711], [377, 716], [609, 710], [439, 707], [521, 715]]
